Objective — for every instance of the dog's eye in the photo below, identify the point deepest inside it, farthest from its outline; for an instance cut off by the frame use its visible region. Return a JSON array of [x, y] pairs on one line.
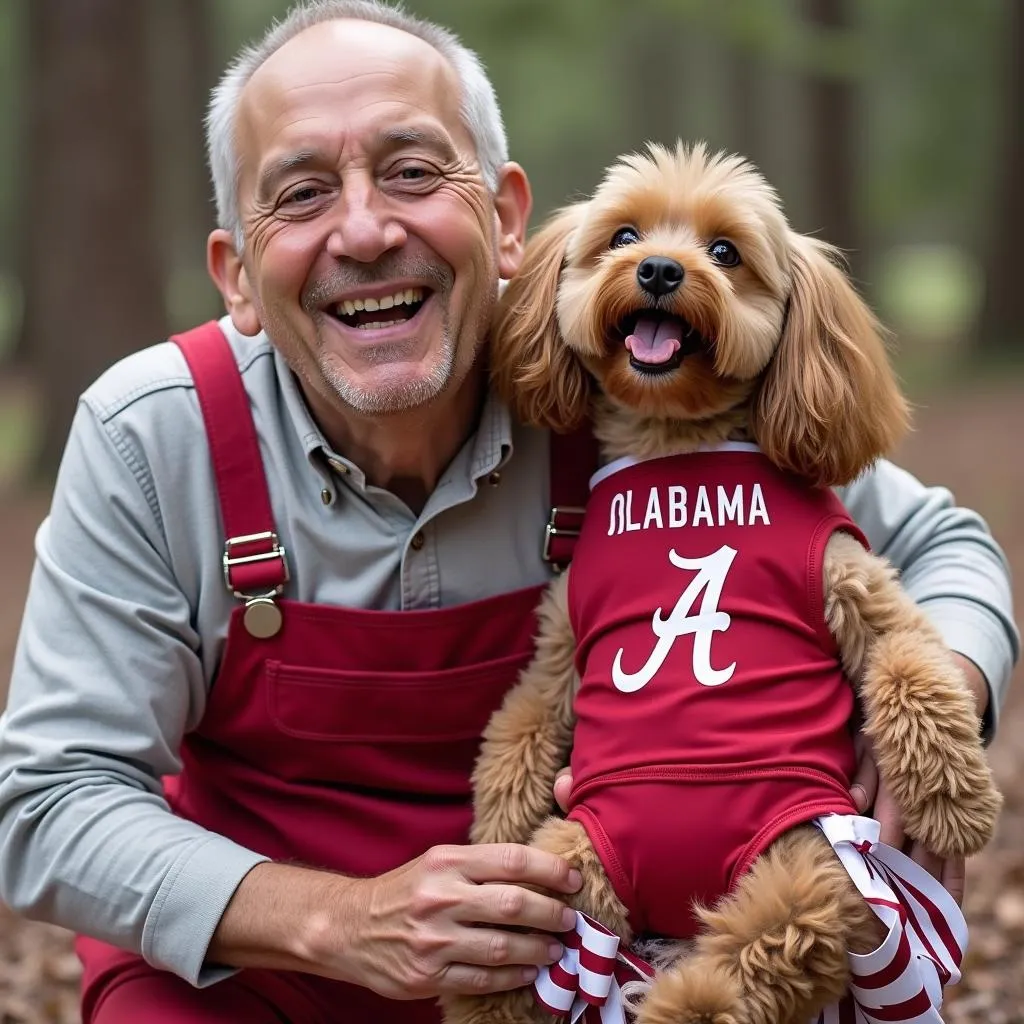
[[724, 253], [625, 236]]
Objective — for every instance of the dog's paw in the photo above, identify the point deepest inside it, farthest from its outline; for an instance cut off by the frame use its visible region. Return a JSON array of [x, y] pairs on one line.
[[510, 800], [955, 824], [511, 822], [693, 994]]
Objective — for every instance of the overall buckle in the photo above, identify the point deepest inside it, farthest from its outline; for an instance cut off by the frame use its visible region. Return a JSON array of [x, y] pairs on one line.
[[250, 553], [564, 521]]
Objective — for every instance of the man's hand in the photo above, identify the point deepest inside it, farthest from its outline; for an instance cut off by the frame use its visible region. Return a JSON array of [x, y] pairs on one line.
[[442, 924], [456, 920], [872, 796]]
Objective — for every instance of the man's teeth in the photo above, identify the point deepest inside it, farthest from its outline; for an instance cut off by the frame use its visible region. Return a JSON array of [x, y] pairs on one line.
[[381, 323], [370, 305]]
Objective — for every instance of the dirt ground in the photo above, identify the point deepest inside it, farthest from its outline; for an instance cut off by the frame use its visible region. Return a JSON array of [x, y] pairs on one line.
[[971, 442]]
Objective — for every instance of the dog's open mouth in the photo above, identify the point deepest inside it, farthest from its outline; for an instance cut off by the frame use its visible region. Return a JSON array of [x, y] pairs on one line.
[[658, 342]]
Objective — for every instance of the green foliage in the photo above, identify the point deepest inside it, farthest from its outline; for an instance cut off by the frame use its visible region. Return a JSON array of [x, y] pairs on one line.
[[576, 80], [932, 103]]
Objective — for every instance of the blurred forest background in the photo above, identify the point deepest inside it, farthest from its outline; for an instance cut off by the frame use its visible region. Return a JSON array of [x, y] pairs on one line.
[[894, 128]]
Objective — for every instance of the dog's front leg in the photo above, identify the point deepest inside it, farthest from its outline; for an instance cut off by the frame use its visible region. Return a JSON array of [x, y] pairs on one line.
[[919, 713], [528, 739]]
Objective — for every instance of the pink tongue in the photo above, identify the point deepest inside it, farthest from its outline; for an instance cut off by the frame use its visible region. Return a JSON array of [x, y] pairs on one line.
[[655, 339]]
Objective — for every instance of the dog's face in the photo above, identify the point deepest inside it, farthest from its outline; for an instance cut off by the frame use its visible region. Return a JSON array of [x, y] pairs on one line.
[[673, 291], [680, 293]]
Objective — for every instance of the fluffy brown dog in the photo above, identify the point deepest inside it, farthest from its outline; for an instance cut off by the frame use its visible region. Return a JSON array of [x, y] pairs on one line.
[[679, 310]]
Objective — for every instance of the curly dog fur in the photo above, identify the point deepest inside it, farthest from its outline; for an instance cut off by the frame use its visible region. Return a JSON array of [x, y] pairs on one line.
[[792, 359]]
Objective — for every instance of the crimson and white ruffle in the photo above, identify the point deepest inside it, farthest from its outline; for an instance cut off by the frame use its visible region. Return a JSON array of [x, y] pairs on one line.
[[901, 981]]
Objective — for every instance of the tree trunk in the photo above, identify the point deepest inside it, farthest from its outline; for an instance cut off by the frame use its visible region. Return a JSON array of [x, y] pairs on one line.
[[184, 74], [833, 124], [93, 289], [650, 76], [1001, 329], [745, 82]]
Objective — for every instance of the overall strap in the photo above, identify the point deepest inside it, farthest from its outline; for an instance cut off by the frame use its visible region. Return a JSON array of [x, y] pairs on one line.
[[254, 561], [574, 459]]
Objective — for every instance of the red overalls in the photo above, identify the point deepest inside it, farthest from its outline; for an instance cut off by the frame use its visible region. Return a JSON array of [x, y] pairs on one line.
[[345, 740]]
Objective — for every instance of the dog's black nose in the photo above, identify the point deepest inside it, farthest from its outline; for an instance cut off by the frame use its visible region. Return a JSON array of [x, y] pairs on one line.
[[659, 275]]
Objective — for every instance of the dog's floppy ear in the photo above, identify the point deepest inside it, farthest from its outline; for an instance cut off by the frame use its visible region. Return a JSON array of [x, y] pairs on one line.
[[829, 405], [533, 369]]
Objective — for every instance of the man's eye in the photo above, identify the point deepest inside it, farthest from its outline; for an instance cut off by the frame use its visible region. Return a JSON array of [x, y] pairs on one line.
[[414, 174], [303, 195]]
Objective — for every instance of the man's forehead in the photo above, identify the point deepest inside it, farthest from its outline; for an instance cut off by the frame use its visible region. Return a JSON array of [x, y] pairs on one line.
[[346, 50]]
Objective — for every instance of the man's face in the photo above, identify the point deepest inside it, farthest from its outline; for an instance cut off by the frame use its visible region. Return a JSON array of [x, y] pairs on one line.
[[371, 241]]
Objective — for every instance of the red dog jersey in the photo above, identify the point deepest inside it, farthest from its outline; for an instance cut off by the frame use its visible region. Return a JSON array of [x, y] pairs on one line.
[[713, 714]]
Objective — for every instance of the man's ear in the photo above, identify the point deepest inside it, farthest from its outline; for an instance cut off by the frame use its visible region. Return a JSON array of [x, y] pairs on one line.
[[228, 272], [513, 202]]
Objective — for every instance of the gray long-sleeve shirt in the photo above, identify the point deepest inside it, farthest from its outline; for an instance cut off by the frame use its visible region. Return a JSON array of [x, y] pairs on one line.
[[127, 615]]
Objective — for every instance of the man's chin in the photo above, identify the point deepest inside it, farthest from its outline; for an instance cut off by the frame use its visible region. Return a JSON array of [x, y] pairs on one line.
[[389, 390]]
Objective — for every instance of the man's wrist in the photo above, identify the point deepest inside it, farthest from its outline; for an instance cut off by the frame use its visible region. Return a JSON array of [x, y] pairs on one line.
[[284, 917], [976, 682], [325, 934]]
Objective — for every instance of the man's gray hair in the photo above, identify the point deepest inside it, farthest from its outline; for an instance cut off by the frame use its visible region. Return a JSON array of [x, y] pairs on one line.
[[479, 105]]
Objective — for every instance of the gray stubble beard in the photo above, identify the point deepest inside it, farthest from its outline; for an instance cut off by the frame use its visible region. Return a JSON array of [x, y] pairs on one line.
[[388, 399]]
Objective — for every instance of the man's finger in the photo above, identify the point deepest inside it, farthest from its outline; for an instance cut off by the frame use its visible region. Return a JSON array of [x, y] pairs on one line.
[[514, 906], [954, 878], [865, 782], [562, 788], [888, 816], [512, 862], [467, 979], [932, 863]]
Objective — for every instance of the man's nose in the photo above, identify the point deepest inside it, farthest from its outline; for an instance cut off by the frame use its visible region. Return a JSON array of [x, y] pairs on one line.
[[364, 228]]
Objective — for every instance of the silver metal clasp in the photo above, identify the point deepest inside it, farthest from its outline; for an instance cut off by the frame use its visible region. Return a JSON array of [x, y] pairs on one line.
[[557, 528], [262, 617], [276, 551]]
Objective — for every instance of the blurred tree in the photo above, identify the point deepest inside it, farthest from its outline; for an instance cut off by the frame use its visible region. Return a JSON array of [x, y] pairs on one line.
[[182, 48], [1001, 327], [744, 83], [834, 142], [93, 286], [653, 82], [13, 217]]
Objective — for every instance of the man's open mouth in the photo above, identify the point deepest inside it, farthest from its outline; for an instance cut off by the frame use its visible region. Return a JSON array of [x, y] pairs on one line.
[[368, 314], [658, 342]]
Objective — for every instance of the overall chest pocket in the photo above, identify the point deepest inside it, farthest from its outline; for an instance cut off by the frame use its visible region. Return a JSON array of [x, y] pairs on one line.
[[412, 732], [347, 706]]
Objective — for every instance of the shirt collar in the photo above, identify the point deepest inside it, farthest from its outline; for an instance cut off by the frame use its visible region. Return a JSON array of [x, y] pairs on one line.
[[490, 446]]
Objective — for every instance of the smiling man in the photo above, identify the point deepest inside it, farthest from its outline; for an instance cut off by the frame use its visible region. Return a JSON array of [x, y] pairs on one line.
[[372, 242], [291, 569]]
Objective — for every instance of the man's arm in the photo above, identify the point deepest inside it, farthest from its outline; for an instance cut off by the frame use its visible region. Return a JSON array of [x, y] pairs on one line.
[[951, 565], [106, 680]]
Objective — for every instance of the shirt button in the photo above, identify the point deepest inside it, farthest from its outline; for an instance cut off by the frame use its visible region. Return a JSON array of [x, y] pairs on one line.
[[338, 466], [418, 540], [494, 479], [326, 496]]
